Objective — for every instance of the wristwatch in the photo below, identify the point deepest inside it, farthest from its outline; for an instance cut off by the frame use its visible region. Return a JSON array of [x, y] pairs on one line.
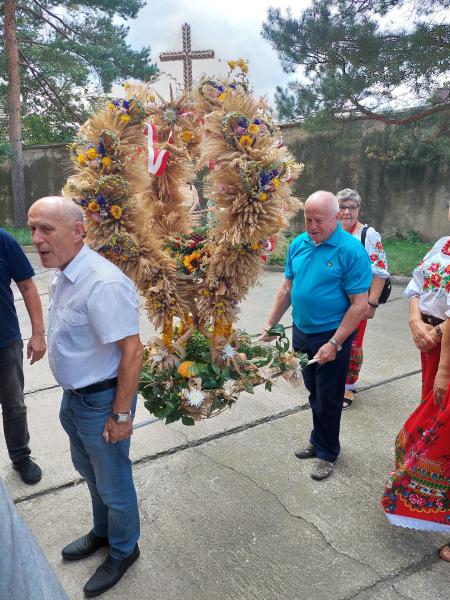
[[335, 344], [121, 417]]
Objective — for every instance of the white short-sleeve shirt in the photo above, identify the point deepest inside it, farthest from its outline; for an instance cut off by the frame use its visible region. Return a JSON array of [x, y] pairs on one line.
[[92, 306]]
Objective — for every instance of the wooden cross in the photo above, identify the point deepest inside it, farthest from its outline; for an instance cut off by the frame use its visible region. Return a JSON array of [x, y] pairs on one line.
[[187, 56]]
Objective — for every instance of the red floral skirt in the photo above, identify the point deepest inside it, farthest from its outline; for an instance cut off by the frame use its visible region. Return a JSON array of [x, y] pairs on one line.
[[417, 493], [430, 363], [356, 355]]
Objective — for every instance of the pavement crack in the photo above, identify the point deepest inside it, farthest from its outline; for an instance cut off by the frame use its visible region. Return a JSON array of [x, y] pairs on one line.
[[286, 509], [391, 580]]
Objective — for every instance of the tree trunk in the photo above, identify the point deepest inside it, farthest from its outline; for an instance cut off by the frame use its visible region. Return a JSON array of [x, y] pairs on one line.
[[15, 126]]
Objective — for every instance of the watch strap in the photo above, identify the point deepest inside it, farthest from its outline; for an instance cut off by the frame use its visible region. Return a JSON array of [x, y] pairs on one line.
[[335, 344]]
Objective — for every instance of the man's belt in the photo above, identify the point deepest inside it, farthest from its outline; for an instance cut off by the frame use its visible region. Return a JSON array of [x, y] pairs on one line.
[[431, 320], [94, 388]]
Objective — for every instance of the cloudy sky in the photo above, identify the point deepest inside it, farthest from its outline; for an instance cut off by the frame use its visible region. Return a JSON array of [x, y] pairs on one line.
[[230, 27]]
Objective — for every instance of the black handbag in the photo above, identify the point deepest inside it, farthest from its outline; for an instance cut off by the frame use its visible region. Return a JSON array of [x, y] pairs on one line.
[[386, 291]]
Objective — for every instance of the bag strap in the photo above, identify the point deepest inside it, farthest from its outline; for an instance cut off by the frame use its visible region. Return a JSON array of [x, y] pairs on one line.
[[363, 235]]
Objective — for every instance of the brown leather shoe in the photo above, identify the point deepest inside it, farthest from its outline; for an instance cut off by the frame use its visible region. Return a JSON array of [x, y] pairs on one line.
[[308, 452], [322, 469]]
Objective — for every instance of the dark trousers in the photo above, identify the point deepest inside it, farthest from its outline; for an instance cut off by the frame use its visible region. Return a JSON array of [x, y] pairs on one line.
[[326, 386], [14, 411]]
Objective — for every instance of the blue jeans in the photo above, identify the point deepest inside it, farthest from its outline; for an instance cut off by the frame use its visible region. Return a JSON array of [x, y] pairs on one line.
[[326, 386], [105, 467]]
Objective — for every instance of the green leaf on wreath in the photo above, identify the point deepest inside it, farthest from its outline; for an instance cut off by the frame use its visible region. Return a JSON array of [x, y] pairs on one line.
[[248, 387], [217, 370], [277, 329], [186, 420]]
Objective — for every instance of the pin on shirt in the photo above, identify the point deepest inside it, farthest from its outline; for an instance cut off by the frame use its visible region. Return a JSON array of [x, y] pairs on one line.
[[329, 263]]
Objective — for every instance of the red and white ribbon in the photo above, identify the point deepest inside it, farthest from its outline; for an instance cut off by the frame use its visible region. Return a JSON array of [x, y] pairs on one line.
[[267, 246], [157, 159]]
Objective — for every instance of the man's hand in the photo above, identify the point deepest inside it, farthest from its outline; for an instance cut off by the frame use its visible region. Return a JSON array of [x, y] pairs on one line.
[[116, 432], [36, 347], [424, 335], [265, 337], [326, 353]]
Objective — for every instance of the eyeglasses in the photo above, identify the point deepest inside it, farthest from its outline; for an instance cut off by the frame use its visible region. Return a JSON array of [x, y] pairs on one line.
[[351, 208]]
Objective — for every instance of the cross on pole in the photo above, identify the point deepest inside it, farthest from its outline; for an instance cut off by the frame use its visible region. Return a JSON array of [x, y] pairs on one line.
[[187, 56]]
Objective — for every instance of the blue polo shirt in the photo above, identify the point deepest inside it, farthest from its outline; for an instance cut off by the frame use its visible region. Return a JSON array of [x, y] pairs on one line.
[[13, 265], [323, 277]]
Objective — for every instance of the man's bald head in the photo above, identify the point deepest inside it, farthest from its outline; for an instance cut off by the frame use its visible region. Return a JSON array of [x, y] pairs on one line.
[[324, 199], [321, 215], [57, 230], [60, 207]]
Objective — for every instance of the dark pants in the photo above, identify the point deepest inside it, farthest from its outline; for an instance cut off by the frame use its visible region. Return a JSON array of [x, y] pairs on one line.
[[14, 411], [326, 386]]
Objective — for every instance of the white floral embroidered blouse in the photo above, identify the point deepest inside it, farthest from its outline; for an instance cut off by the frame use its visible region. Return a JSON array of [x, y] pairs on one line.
[[431, 281], [374, 249]]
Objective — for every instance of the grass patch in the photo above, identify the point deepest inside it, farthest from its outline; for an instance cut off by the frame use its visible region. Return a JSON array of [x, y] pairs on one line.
[[403, 255], [21, 234]]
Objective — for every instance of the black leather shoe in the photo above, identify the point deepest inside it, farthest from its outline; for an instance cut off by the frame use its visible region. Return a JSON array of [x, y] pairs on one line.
[[84, 546], [109, 573], [28, 470]]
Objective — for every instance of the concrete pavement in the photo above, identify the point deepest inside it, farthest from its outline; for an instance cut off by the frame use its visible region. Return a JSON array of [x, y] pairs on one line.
[[227, 511]]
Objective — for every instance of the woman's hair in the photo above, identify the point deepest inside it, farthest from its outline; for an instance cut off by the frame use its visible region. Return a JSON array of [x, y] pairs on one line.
[[349, 194]]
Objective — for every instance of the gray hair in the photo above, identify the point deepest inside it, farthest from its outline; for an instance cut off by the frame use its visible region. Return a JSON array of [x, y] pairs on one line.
[[349, 194]]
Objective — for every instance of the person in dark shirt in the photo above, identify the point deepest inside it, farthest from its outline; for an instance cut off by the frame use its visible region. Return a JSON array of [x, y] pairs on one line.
[[15, 266]]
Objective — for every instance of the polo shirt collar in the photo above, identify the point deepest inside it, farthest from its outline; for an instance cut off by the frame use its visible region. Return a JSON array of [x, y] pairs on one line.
[[74, 267], [333, 240]]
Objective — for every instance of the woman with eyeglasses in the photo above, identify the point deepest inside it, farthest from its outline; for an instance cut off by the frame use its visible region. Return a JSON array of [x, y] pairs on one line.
[[417, 493], [349, 206]]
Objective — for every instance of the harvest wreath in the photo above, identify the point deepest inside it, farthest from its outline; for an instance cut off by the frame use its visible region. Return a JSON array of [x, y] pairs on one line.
[[132, 160]]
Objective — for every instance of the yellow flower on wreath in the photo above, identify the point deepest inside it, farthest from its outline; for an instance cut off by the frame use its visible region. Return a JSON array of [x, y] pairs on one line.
[[81, 159], [263, 197], [255, 246], [243, 65], [92, 153], [245, 140], [232, 64], [116, 211], [188, 260], [111, 106], [276, 183], [253, 128], [93, 206], [222, 96], [125, 118], [187, 136], [106, 161]]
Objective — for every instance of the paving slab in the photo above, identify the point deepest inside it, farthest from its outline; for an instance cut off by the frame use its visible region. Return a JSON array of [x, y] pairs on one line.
[[239, 518]]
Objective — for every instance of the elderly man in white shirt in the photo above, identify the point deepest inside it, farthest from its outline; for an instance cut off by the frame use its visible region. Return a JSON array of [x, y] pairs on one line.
[[95, 355]]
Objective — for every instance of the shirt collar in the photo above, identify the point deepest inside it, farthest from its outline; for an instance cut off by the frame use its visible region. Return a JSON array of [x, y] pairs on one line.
[[74, 267], [333, 240]]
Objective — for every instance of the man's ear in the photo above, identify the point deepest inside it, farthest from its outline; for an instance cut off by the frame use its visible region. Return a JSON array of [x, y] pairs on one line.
[[79, 231]]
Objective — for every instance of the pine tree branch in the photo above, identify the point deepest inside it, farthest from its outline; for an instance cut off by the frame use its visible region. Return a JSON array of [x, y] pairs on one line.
[[42, 18], [373, 116], [46, 85]]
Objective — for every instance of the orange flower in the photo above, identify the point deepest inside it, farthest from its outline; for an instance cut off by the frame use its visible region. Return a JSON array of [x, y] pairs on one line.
[[106, 161], [185, 369], [245, 140], [92, 153], [81, 159], [263, 197], [187, 136]]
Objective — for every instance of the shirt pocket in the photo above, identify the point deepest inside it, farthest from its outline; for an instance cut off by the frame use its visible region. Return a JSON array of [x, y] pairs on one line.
[[76, 333]]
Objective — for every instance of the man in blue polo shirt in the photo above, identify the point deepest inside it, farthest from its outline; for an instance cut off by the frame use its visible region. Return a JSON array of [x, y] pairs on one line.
[[14, 265], [327, 278]]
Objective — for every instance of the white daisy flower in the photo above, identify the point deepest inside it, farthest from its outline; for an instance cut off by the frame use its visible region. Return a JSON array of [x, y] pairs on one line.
[[228, 351], [160, 356], [193, 396]]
